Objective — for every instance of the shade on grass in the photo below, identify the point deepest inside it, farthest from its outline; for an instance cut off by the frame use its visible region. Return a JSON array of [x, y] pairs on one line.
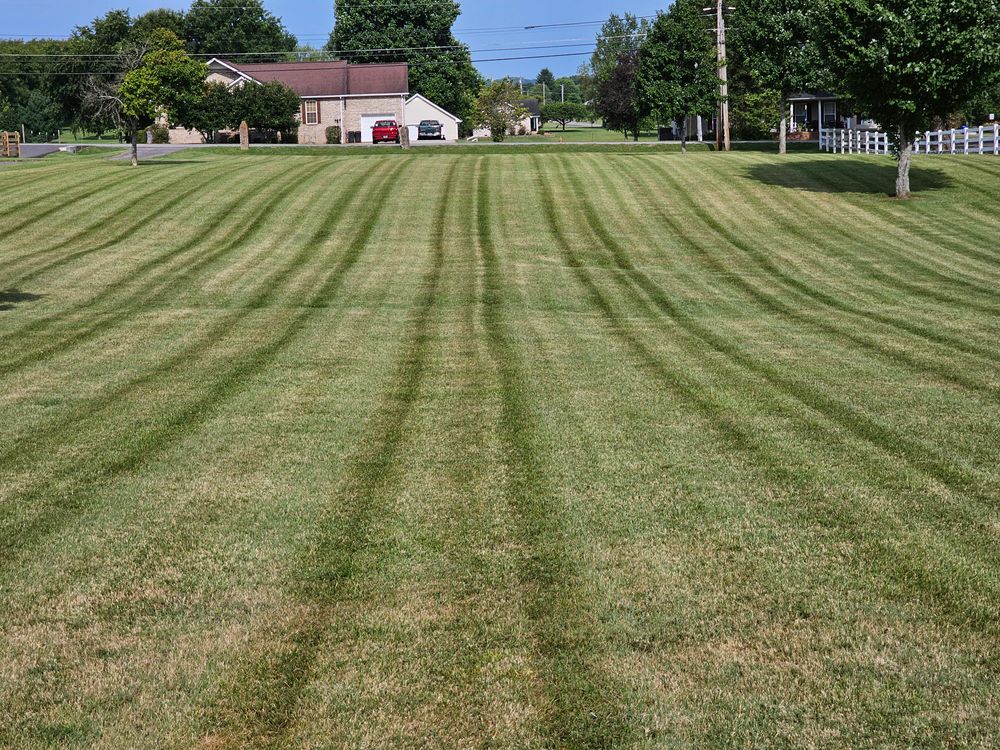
[[499, 449]]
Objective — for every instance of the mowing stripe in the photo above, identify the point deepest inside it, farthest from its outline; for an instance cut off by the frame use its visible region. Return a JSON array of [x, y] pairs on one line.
[[608, 241], [930, 461], [135, 223], [789, 281], [155, 287], [900, 248], [899, 245], [371, 475], [585, 707], [154, 547], [65, 200], [892, 223], [910, 571], [817, 320], [16, 539]]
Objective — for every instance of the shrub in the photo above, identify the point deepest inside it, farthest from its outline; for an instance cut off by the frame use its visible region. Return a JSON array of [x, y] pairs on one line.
[[333, 134], [161, 134]]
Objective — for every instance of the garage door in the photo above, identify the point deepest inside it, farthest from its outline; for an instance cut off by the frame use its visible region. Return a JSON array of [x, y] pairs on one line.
[[368, 122]]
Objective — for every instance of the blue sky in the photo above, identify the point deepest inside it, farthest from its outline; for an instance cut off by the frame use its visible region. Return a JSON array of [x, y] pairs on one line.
[[311, 21]]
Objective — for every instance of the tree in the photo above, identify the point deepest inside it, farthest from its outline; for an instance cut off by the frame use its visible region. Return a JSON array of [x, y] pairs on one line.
[[615, 63], [984, 106], [567, 90], [269, 107], [617, 97], [160, 18], [677, 67], [214, 27], [545, 76], [563, 112], [416, 32], [544, 84], [907, 62], [156, 78], [498, 107], [773, 41], [213, 111]]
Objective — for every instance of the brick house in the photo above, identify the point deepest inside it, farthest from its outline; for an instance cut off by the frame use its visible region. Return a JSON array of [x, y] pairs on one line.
[[333, 93]]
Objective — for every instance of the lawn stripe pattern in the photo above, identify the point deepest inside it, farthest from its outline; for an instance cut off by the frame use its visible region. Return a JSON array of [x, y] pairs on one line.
[[499, 449]]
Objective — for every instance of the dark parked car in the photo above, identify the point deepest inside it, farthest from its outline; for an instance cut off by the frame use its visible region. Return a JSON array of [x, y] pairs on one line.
[[430, 129], [385, 131]]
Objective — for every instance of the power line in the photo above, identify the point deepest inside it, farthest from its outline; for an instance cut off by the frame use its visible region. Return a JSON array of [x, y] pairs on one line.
[[553, 44], [479, 30], [331, 67]]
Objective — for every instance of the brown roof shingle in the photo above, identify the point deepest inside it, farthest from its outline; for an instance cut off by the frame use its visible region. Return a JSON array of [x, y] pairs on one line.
[[333, 78]]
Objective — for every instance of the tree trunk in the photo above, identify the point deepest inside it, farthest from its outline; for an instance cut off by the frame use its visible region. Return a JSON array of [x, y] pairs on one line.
[[903, 167], [682, 128], [783, 128], [135, 148]]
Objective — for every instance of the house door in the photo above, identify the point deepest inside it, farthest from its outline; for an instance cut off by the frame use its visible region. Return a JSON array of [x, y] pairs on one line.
[[368, 122]]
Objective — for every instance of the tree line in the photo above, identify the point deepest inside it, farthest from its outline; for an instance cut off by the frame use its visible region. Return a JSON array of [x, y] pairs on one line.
[[910, 65]]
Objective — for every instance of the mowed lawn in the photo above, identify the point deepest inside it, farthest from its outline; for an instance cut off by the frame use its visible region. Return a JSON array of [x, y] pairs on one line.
[[540, 450]]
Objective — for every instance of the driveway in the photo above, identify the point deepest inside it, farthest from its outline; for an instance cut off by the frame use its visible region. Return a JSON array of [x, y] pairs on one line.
[[149, 151], [34, 150]]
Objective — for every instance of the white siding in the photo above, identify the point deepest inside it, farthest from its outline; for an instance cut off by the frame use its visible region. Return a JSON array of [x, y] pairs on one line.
[[418, 109]]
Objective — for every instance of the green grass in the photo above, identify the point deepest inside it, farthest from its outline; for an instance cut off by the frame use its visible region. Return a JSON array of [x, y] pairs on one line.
[[552, 132], [545, 449]]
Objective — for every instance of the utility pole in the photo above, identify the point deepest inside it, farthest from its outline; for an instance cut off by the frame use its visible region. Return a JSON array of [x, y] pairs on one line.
[[543, 93], [720, 45], [562, 92]]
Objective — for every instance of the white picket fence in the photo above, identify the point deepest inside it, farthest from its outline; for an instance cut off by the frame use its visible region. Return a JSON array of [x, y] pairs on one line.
[[981, 140]]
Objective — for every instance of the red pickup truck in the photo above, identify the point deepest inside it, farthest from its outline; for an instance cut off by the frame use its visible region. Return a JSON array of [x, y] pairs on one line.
[[385, 131]]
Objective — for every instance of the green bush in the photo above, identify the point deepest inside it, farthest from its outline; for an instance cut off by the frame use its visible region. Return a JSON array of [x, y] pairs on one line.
[[161, 134], [333, 134]]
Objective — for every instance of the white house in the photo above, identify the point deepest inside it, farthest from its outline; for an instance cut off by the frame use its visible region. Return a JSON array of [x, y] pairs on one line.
[[529, 125], [419, 107]]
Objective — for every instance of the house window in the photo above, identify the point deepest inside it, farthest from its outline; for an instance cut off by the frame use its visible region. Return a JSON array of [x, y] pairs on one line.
[[829, 113], [312, 112]]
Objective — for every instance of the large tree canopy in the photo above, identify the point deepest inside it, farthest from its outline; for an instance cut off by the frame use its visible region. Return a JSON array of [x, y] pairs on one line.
[[906, 63], [773, 47], [153, 78], [416, 32], [212, 27], [615, 65], [677, 67]]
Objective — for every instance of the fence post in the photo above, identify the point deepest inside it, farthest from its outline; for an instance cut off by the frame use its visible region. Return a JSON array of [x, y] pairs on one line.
[[965, 140], [843, 138], [996, 138], [940, 137], [980, 139]]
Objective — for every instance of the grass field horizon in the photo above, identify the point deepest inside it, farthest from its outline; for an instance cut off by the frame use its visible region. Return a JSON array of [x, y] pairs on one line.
[[601, 449]]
